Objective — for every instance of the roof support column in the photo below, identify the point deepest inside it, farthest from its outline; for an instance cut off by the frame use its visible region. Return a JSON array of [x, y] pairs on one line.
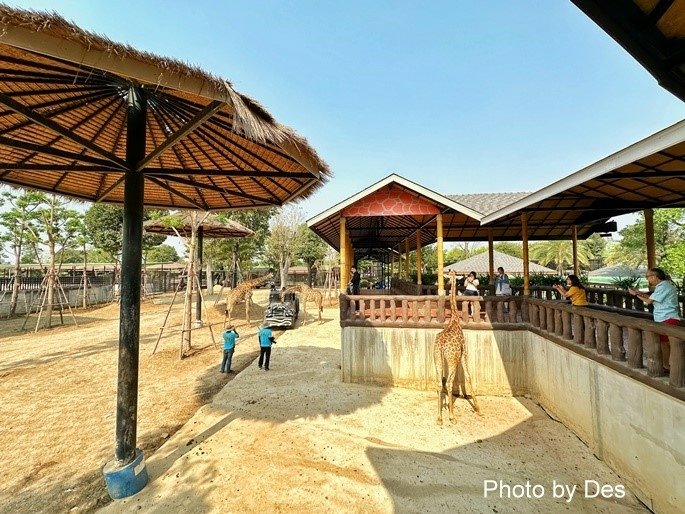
[[574, 235], [491, 260], [441, 258], [418, 257], [198, 271], [131, 259], [406, 259], [649, 237], [526, 263], [344, 274]]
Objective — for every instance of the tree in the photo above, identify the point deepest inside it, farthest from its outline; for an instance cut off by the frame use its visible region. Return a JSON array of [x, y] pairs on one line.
[[285, 238], [105, 224], [16, 222], [558, 254], [55, 227], [163, 253], [312, 250], [509, 248], [669, 230]]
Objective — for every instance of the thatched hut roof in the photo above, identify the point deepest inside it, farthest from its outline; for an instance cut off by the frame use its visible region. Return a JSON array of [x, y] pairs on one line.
[[212, 227], [480, 264], [63, 111]]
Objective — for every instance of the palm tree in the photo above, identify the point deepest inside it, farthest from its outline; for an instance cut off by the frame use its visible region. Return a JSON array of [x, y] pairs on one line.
[[559, 254]]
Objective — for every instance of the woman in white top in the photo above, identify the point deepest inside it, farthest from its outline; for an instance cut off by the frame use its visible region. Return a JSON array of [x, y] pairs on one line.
[[471, 284]]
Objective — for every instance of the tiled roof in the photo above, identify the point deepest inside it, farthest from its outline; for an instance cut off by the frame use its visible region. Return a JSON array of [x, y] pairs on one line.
[[480, 264], [485, 203]]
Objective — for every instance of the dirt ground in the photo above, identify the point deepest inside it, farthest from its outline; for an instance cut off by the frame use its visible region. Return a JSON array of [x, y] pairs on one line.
[[58, 390], [293, 439]]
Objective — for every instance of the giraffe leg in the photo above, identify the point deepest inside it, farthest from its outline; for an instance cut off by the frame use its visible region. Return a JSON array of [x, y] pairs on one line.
[[468, 380], [304, 312], [248, 302], [449, 384], [320, 306], [438, 374], [227, 315]]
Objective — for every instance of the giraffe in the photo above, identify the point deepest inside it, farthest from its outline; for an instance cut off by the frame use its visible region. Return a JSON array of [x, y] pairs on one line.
[[449, 349], [307, 293], [243, 292]]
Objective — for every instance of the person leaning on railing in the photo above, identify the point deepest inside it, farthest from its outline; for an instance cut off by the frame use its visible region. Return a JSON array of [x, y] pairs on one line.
[[664, 298], [575, 291]]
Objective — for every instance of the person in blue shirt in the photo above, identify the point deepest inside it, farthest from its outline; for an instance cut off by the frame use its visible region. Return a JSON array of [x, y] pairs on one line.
[[266, 339], [229, 336], [664, 298]]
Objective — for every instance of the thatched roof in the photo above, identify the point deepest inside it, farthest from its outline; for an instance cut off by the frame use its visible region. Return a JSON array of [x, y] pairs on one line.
[[63, 112], [480, 264], [211, 227]]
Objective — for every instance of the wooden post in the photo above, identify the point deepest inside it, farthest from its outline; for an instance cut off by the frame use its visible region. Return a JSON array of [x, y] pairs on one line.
[[418, 257], [576, 268], [131, 262], [344, 275], [491, 260], [441, 258], [649, 237], [198, 271], [406, 260], [526, 270]]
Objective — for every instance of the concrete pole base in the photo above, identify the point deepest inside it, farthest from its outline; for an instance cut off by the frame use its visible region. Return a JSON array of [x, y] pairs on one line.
[[126, 481]]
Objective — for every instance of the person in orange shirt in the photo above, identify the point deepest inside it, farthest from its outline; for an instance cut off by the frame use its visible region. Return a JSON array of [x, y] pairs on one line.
[[575, 291]]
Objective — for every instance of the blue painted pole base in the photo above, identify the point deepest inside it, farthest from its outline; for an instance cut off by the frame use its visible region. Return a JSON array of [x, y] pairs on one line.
[[126, 481]]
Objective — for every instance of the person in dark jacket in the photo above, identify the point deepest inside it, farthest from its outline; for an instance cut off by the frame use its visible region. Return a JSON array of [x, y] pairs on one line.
[[354, 286]]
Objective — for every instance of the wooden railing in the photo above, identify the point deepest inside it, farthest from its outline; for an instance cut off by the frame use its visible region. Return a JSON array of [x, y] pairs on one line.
[[625, 339]]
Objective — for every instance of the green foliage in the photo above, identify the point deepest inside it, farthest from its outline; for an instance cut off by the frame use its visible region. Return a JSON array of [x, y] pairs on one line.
[[626, 282], [540, 279], [516, 281], [631, 250], [513, 249], [559, 254], [673, 261], [312, 248], [162, 253], [104, 223]]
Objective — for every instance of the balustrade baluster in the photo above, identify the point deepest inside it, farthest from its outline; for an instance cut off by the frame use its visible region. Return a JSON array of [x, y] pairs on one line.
[[655, 365], [533, 313], [577, 328], [566, 325], [677, 362], [393, 310], [415, 310], [500, 311], [602, 337], [475, 309], [589, 339], [618, 352], [513, 312], [634, 353], [405, 316], [489, 312], [428, 312], [465, 311], [549, 315], [524, 311], [382, 312], [441, 310], [558, 323]]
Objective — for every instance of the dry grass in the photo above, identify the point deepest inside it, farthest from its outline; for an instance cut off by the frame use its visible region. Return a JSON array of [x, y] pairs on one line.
[[59, 393]]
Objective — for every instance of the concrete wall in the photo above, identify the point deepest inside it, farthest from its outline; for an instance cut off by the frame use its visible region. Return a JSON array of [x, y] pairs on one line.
[[637, 430]]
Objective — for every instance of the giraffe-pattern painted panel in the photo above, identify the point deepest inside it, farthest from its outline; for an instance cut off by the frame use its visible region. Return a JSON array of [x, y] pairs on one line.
[[390, 201]]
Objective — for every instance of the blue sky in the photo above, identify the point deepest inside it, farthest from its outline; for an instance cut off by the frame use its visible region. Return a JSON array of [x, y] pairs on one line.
[[462, 97]]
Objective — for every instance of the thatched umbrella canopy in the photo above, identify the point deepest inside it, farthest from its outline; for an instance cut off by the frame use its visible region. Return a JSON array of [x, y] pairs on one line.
[[190, 227], [86, 117], [211, 227]]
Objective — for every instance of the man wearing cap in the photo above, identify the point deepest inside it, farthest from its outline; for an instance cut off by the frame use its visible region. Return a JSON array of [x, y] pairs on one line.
[[266, 339]]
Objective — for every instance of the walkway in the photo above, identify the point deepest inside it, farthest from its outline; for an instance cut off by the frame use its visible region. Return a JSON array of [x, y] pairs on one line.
[[297, 439]]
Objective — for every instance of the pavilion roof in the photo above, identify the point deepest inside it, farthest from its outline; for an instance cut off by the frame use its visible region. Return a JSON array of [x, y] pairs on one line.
[[652, 31], [480, 263], [63, 107]]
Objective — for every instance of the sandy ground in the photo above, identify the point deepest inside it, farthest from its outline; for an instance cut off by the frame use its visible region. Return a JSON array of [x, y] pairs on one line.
[[297, 439], [58, 390]]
